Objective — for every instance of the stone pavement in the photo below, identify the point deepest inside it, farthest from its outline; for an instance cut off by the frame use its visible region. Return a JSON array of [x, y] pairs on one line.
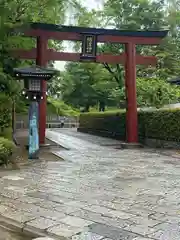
[[98, 192]]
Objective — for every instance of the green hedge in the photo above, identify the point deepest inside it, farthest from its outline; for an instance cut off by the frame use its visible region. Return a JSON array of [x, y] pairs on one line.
[[6, 149], [5, 112], [159, 124], [60, 108]]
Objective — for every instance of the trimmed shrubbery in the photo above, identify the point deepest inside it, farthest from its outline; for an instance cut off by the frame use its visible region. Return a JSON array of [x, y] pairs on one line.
[[160, 124], [6, 149], [5, 112], [6, 145], [60, 108]]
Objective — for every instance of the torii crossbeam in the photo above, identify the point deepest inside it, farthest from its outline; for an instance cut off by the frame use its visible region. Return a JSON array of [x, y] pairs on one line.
[[43, 32]]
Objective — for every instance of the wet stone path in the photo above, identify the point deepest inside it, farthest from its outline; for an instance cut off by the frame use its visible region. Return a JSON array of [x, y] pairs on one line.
[[97, 192]]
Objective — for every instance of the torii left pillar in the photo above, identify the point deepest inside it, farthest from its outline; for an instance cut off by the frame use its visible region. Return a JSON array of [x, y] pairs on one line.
[[41, 60], [130, 83]]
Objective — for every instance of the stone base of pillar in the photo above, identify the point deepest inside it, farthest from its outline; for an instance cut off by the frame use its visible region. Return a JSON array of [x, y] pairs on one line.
[[131, 145], [43, 238], [45, 145]]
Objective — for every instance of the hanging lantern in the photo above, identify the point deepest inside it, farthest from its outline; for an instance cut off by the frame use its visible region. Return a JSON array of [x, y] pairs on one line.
[[89, 47], [33, 77]]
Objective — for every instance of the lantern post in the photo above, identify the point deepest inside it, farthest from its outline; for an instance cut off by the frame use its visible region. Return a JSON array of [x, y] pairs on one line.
[[33, 91]]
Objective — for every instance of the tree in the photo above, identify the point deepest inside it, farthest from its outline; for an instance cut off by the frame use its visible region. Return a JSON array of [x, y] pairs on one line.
[[150, 15], [14, 13], [132, 15], [156, 92], [141, 15], [85, 85]]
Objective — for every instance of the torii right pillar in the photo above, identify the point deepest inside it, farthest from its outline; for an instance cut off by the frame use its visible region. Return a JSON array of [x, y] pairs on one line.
[[131, 100]]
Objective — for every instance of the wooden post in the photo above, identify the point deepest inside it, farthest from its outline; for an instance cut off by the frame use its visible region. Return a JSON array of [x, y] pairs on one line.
[[41, 60], [130, 82]]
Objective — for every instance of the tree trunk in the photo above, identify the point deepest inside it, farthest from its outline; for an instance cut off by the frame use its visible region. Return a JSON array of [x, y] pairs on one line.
[[86, 109]]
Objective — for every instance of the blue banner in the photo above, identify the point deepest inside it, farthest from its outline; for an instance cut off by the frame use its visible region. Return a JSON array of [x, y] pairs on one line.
[[33, 131]]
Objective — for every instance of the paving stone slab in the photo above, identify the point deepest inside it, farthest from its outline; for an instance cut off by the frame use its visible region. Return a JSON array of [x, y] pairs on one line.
[[37, 211], [107, 239], [112, 232], [98, 218], [43, 238], [121, 205], [11, 194], [15, 219], [143, 230], [167, 231], [63, 230], [27, 199], [127, 190], [140, 212], [38, 225], [5, 209], [50, 197], [87, 236], [141, 238], [146, 221], [75, 221], [19, 216], [110, 212], [164, 218], [77, 204], [66, 209]]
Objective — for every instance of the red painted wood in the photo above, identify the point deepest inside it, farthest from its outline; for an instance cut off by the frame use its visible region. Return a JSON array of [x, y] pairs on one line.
[[146, 60], [108, 58], [41, 60], [114, 59], [129, 58], [130, 82], [124, 39], [101, 38], [63, 56]]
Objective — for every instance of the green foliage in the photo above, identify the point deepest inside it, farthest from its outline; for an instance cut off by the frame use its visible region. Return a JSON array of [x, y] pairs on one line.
[[6, 149], [111, 123], [134, 14], [146, 15], [139, 15], [91, 18], [14, 13], [60, 108], [22, 105], [6, 133], [85, 84], [159, 124], [154, 92], [5, 112]]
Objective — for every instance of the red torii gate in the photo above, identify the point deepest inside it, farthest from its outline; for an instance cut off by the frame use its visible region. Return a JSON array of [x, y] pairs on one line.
[[43, 32]]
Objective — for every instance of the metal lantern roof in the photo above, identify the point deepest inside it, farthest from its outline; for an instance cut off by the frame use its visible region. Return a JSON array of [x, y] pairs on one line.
[[34, 72]]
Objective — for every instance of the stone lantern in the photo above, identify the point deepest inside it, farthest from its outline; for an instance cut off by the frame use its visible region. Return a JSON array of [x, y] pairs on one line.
[[33, 78]]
